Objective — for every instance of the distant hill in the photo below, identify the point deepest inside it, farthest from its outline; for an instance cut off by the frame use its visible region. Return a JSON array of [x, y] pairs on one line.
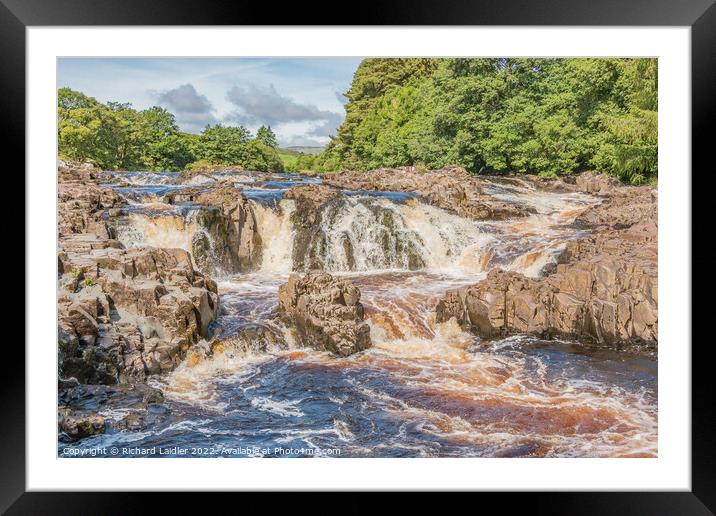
[[298, 149]]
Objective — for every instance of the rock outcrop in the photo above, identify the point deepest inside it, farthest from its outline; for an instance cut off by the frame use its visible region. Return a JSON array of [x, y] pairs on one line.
[[188, 175], [88, 410], [451, 188], [123, 314], [310, 201], [230, 240], [604, 290], [585, 182], [325, 313], [83, 207], [76, 426]]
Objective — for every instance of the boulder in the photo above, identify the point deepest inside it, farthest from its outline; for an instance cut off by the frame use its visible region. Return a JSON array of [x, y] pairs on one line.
[[80, 426], [596, 184], [325, 313]]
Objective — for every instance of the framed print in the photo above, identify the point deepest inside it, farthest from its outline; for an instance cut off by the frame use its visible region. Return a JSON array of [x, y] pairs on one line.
[[436, 250]]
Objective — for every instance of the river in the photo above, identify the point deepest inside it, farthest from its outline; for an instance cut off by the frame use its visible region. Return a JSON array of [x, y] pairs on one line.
[[423, 389]]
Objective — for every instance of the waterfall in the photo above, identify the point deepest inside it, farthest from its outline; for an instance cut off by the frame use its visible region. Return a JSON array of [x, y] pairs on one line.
[[277, 235], [534, 262], [367, 234], [364, 234], [170, 231], [360, 234], [448, 241]]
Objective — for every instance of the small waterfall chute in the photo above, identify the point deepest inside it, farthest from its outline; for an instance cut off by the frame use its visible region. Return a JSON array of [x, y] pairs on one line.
[[277, 234], [168, 231]]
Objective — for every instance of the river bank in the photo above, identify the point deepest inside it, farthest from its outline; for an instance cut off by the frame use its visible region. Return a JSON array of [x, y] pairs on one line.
[[455, 315]]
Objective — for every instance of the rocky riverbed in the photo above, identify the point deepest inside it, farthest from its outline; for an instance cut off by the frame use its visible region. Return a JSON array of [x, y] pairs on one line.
[[396, 312], [602, 290]]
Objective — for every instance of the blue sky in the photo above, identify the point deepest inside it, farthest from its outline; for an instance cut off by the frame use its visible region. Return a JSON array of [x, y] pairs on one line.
[[299, 97]]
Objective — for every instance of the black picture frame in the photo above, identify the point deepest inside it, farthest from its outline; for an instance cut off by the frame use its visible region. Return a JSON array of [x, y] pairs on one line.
[[700, 15]]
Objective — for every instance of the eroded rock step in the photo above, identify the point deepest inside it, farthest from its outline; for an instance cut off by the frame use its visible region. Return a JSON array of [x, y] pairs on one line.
[[604, 291]]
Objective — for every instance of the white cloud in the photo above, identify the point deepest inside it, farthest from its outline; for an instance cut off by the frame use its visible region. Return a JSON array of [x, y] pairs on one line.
[[192, 110], [257, 105]]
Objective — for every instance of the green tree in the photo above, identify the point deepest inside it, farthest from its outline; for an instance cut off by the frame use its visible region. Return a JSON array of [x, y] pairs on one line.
[[169, 153], [116, 136], [224, 145], [266, 136], [628, 146], [162, 147]]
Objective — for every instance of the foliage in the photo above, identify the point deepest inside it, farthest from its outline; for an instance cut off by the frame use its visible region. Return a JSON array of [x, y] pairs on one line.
[[200, 164], [298, 161], [115, 136], [547, 116], [266, 136]]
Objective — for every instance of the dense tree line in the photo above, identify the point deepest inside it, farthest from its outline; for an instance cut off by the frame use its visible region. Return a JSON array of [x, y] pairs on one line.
[[546, 116], [114, 136]]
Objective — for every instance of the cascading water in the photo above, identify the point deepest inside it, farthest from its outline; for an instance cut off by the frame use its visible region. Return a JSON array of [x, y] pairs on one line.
[[157, 230], [423, 389], [375, 233], [277, 234], [364, 234], [370, 234]]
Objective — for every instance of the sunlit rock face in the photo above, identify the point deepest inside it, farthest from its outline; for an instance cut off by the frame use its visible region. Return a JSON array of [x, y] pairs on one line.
[[604, 289], [325, 313], [224, 235]]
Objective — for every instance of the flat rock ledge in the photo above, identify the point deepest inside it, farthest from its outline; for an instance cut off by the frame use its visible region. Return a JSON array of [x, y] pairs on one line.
[[324, 313], [604, 291], [451, 188]]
